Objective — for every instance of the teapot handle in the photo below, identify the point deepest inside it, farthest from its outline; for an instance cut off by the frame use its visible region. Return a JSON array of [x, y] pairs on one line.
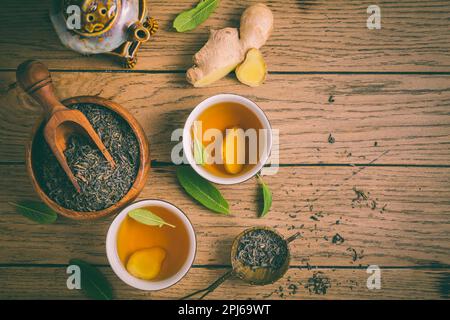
[[138, 32]]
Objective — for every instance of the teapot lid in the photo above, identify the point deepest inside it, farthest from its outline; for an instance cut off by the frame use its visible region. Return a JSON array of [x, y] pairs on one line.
[[96, 16]]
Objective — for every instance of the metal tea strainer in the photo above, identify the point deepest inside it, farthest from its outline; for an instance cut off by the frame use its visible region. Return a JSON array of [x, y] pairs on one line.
[[256, 276]]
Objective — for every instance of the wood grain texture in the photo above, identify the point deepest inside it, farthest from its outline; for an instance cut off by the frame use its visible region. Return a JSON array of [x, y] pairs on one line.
[[309, 35], [404, 222], [406, 115], [27, 282], [328, 75]]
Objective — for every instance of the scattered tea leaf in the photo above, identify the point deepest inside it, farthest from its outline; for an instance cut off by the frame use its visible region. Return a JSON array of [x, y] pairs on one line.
[[267, 197], [202, 190], [337, 239], [319, 283], [36, 211], [93, 283], [147, 217], [190, 19], [331, 139]]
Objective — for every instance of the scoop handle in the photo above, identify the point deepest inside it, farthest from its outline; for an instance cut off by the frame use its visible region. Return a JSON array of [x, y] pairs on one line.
[[34, 78]]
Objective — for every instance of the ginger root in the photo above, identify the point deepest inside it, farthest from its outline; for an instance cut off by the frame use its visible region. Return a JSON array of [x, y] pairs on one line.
[[146, 263], [253, 70], [234, 150], [225, 50]]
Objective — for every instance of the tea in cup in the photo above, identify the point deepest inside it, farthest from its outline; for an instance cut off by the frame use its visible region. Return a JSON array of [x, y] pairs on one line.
[[151, 257], [227, 139]]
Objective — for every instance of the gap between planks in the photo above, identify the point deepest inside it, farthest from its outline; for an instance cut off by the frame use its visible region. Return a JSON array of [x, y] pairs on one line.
[[137, 71], [163, 164], [224, 266]]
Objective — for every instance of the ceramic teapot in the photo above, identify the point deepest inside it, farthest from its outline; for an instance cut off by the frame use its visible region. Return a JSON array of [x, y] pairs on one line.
[[116, 27]]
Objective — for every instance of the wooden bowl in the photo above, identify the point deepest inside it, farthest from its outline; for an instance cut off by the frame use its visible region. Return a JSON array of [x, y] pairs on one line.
[[136, 188]]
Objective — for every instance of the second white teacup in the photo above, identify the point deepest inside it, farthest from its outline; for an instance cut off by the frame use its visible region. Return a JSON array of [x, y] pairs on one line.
[[119, 267]]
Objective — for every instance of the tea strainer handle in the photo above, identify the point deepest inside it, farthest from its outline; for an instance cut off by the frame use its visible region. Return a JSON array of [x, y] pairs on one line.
[[211, 287], [293, 237]]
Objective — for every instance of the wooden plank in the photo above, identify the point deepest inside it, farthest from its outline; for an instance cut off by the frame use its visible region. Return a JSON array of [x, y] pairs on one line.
[[411, 230], [323, 35], [50, 283], [408, 116]]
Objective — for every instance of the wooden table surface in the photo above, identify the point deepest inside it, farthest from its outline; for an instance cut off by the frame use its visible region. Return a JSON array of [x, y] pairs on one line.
[[384, 95]]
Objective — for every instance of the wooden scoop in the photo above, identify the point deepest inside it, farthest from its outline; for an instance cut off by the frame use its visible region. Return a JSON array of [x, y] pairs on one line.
[[34, 77]]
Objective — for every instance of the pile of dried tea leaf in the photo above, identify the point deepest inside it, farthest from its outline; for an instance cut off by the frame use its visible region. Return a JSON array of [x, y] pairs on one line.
[[101, 185], [262, 248]]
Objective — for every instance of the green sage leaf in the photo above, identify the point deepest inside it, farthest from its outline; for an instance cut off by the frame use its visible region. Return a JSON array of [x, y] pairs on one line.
[[190, 19], [201, 155], [202, 190], [35, 211], [147, 217], [267, 197], [93, 283], [199, 150]]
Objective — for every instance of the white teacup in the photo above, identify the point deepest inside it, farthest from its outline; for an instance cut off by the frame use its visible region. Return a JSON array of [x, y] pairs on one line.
[[187, 138], [117, 265]]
